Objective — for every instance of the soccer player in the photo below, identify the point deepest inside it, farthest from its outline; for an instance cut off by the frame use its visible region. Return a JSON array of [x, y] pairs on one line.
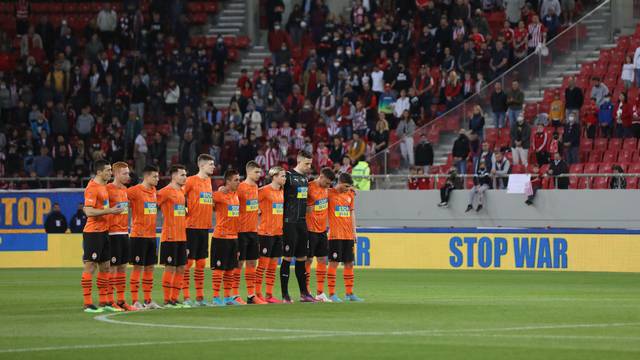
[[119, 235], [224, 244], [173, 248], [144, 251], [248, 234], [95, 238], [271, 202], [317, 204], [295, 228], [199, 195], [342, 235]]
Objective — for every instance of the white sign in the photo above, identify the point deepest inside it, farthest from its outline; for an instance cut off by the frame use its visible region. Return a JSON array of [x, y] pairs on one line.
[[517, 183]]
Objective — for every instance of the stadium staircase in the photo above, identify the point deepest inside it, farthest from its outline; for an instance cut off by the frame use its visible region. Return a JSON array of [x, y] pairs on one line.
[[568, 64]]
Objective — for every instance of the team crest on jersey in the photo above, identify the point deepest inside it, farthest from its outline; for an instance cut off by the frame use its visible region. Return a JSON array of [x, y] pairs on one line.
[[335, 255], [137, 259], [187, 252], [264, 251], [169, 258], [286, 247], [218, 263], [206, 198], [94, 256], [113, 260]]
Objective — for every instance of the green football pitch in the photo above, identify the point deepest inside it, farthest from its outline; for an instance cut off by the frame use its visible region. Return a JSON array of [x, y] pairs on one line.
[[407, 314]]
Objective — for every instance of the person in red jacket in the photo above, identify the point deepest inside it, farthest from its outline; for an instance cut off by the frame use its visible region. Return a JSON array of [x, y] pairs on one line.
[[624, 117], [590, 118], [276, 37], [541, 145], [452, 90]]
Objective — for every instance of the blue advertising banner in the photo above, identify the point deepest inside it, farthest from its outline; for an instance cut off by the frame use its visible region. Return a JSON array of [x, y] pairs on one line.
[[27, 210]]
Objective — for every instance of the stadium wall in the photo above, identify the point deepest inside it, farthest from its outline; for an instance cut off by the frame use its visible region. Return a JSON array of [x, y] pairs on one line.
[[400, 230]]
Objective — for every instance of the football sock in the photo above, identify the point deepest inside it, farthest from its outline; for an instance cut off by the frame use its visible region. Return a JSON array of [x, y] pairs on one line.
[[216, 280], [121, 285], [228, 282], [87, 284], [249, 279], [147, 284], [103, 287], [186, 291], [235, 285], [331, 280], [198, 278], [111, 287], [348, 280], [167, 285], [271, 276], [178, 277], [134, 285], [307, 268], [321, 273], [284, 277], [263, 264], [301, 275]]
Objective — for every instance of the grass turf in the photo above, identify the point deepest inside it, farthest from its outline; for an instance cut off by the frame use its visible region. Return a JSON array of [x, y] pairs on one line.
[[407, 313]]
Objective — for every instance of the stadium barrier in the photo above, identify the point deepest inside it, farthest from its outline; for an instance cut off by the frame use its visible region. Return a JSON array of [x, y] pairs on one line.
[[428, 248]]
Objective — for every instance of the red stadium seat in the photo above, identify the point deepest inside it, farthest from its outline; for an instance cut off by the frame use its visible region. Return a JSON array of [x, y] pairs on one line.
[[634, 168], [591, 168], [610, 156], [600, 144], [601, 183], [625, 156], [630, 144], [632, 183], [615, 144], [586, 144], [595, 156]]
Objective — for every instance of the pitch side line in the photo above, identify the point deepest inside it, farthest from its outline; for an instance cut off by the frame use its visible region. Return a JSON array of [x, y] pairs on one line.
[[150, 343], [108, 319]]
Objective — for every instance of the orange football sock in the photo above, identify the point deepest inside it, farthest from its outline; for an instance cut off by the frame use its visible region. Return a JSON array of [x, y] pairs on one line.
[[249, 279], [263, 264], [147, 284], [348, 280], [121, 285], [228, 282], [216, 281], [307, 267], [134, 285], [198, 278], [321, 273], [186, 278], [271, 276], [103, 287], [167, 285], [177, 285], [87, 285], [235, 285], [111, 287], [331, 280]]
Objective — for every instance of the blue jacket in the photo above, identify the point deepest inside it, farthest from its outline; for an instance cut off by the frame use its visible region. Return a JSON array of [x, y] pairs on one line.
[[605, 115]]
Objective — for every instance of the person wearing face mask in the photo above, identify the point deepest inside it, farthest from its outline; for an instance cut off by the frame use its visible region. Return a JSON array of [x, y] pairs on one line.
[[283, 56], [220, 56], [282, 83], [481, 183], [276, 37], [571, 140], [520, 141]]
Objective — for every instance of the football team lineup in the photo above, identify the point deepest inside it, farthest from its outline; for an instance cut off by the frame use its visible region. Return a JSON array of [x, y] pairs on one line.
[[288, 220]]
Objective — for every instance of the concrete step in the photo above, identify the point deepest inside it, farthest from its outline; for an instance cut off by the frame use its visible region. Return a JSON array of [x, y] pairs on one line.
[[233, 12], [237, 5], [229, 24], [218, 30]]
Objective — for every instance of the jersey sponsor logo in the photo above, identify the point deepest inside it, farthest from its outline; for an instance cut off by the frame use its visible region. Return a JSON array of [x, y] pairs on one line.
[[320, 205], [302, 192], [252, 205], [233, 210], [342, 211], [150, 208], [277, 209], [125, 206], [205, 198], [179, 210]]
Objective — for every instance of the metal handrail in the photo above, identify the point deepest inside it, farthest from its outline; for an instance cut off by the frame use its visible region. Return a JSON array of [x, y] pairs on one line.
[[477, 95]]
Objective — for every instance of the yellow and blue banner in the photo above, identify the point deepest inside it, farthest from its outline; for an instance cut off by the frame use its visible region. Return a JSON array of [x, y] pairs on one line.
[[27, 210], [429, 248]]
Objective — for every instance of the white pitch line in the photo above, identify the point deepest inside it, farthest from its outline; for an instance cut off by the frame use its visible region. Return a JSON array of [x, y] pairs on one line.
[[107, 318], [150, 343]]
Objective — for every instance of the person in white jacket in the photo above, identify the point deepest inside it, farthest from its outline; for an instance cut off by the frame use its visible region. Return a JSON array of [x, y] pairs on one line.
[[107, 22], [636, 65], [628, 72], [171, 98], [548, 5], [252, 121]]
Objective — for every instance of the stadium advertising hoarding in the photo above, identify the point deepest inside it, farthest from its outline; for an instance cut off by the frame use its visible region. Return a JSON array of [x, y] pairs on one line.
[[465, 249], [27, 210]]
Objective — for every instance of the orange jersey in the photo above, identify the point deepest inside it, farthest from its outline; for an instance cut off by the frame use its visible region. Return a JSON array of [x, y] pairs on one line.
[[199, 202], [248, 197], [271, 211], [144, 209], [227, 215], [97, 197], [172, 204], [118, 223], [317, 205], [340, 220]]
